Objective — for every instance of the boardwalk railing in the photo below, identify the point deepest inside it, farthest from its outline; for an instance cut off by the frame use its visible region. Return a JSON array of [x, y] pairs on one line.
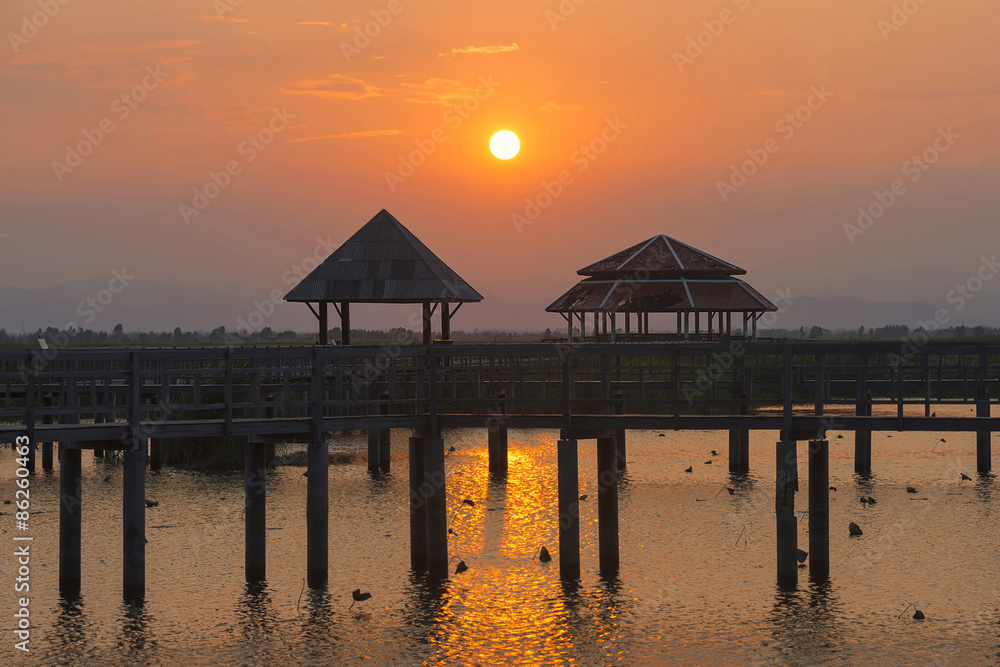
[[83, 395]]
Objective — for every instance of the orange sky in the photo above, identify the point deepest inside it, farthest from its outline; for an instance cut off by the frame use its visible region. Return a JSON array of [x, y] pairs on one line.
[[556, 80]]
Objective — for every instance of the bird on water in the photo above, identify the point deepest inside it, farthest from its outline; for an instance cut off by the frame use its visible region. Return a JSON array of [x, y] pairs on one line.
[[359, 596], [965, 478]]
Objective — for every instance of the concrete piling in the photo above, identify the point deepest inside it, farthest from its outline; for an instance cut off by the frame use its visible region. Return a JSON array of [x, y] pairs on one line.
[[317, 515], [786, 478], [569, 509], [255, 511], [819, 509], [418, 507], [437, 508], [70, 521], [984, 454], [497, 436], [607, 506], [134, 524]]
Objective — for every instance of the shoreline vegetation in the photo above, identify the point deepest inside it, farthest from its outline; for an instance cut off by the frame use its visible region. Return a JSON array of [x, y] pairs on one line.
[[62, 338]]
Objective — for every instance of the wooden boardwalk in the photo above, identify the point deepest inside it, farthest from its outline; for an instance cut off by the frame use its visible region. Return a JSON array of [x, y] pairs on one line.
[[131, 398]]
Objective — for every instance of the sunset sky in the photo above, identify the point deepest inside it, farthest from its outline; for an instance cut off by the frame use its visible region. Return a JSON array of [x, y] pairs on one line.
[[642, 107]]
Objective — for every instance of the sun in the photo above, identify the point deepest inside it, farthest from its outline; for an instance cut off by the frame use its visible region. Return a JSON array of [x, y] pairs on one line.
[[505, 144]]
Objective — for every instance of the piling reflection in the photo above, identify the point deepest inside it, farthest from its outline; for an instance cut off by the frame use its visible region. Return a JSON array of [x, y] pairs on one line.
[[806, 625], [70, 641], [257, 627], [135, 643]]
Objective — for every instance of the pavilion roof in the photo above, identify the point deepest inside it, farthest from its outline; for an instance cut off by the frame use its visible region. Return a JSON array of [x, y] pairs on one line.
[[383, 262], [661, 255]]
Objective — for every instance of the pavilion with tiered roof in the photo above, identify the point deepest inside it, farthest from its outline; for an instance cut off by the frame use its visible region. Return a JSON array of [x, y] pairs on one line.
[[660, 275]]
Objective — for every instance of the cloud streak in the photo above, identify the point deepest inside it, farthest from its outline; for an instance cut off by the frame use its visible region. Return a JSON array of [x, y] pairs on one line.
[[334, 86], [500, 48], [363, 134]]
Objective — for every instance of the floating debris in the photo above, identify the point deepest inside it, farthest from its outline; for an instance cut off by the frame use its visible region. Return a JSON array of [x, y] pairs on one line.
[[833, 488], [840, 437], [709, 462], [871, 501], [855, 529], [715, 453], [108, 478], [452, 448], [359, 596], [661, 436], [583, 497], [470, 503]]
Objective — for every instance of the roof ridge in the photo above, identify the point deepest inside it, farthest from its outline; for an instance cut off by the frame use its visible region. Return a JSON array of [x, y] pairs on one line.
[[667, 240]]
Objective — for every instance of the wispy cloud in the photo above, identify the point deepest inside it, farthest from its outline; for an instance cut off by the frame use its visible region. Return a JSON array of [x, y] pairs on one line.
[[445, 92], [363, 134], [334, 86], [552, 106], [216, 17], [500, 48], [326, 23]]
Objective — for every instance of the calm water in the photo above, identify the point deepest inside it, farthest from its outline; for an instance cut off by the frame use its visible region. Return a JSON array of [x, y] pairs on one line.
[[689, 592]]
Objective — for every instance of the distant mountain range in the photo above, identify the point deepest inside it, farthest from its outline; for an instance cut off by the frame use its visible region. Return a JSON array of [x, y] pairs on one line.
[[145, 306]]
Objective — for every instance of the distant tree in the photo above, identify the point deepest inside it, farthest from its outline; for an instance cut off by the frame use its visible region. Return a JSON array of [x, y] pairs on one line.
[[217, 335], [178, 335], [816, 333], [118, 332]]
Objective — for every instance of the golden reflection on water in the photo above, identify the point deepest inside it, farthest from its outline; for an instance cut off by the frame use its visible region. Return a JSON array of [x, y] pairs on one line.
[[510, 607]]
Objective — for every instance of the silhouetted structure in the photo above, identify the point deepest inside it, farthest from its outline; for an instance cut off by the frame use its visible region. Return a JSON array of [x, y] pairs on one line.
[[383, 263], [661, 275]]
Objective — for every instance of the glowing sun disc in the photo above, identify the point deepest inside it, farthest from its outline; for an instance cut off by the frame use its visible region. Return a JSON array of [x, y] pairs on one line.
[[505, 144]]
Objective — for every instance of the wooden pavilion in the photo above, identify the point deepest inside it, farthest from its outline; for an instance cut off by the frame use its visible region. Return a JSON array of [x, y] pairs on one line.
[[383, 263], [661, 275]]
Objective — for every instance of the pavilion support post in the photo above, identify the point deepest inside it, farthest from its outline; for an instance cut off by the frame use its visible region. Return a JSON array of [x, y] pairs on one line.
[[729, 324], [384, 434], [628, 323], [819, 509], [569, 328], [984, 455], [863, 435], [97, 451], [786, 477], [687, 325], [680, 326], [607, 506], [426, 309], [324, 327], [437, 508], [318, 514], [255, 512], [697, 323], [70, 520], [134, 522], [445, 321], [645, 322], [345, 322], [496, 438], [569, 510], [754, 317], [618, 398], [418, 507]]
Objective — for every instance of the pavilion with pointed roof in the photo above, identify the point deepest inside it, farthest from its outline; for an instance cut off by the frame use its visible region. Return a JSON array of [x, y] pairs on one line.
[[660, 275], [383, 262]]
